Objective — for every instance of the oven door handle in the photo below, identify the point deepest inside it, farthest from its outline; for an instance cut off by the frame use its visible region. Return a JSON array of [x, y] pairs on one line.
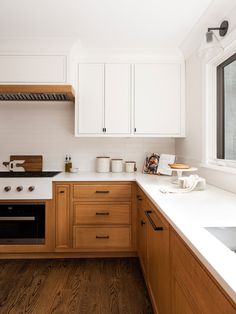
[[16, 218]]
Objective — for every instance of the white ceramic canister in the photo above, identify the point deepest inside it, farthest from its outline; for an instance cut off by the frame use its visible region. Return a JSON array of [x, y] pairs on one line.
[[103, 164], [116, 165], [130, 166]]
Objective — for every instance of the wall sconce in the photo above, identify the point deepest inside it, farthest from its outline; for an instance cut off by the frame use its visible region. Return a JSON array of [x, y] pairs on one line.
[[211, 45]]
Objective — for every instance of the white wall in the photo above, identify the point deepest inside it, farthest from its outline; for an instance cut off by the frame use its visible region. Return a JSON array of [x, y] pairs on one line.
[[48, 129], [191, 149]]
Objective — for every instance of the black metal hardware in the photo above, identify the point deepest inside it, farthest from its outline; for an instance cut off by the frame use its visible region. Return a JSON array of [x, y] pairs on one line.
[[102, 237], [102, 213], [143, 223], [147, 213], [222, 29], [102, 192], [104, 130], [134, 129], [139, 198], [62, 192]]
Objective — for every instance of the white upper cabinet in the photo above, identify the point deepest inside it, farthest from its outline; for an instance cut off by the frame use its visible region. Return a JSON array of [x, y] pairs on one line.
[[158, 105], [117, 98], [33, 69], [130, 100], [90, 114], [104, 99]]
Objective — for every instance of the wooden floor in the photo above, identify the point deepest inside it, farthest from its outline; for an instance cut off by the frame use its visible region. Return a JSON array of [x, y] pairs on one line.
[[84, 286]]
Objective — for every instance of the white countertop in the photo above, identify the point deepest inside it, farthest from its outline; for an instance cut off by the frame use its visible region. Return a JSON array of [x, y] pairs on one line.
[[188, 213]]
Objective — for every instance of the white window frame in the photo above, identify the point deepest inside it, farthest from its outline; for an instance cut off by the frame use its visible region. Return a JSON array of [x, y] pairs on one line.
[[210, 159]]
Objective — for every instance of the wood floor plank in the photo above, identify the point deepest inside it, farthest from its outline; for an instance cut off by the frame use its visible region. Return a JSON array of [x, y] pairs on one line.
[[83, 286]]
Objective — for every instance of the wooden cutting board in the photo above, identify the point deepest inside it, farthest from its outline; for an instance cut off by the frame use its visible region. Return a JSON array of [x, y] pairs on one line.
[[32, 162]]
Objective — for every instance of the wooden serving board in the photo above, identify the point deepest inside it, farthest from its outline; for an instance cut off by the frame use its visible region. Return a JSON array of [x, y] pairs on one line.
[[32, 162]]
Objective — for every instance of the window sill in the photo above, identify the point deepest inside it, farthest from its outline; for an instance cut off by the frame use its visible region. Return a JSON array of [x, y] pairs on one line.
[[217, 167]]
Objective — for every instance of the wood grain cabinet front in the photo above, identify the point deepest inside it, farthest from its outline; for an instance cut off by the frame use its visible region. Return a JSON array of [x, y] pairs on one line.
[[62, 206], [102, 238], [102, 192], [142, 229], [193, 289], [102, 213], [158, 259]]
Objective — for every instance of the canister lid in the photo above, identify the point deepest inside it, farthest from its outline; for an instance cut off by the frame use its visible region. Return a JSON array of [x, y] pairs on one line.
[[117, 159], [130, 162], [102, 157]]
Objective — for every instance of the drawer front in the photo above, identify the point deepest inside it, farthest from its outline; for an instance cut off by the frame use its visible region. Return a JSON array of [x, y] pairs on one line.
[[85, 214], [102, 238], [102, 192]]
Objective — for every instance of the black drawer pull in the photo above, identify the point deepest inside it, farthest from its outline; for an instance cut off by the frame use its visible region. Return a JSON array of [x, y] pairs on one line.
[[147, 213], [102, 237], [102, 192], [143, 223], [62, 192], [102, 214]]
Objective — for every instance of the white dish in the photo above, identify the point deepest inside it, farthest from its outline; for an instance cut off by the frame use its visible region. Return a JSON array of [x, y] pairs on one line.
[[74, 170]]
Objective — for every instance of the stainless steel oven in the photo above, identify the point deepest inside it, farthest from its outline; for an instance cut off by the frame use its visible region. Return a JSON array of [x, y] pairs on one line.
[[22, 223]]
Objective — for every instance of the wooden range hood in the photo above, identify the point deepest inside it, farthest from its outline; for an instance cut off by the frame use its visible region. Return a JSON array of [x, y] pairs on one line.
[[37, 93]]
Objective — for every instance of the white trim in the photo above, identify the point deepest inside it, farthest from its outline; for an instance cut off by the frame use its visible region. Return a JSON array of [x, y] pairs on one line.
[[218, 167], [210, 113]]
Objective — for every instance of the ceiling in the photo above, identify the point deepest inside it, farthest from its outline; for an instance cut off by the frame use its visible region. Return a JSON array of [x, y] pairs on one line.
[[152, 24]]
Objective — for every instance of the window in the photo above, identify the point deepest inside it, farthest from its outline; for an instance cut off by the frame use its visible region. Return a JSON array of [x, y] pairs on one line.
[[226, 109]]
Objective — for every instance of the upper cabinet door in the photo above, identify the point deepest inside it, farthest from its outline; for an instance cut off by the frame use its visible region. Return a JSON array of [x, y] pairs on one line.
[[157, 97], [90, 116], [117, 98]]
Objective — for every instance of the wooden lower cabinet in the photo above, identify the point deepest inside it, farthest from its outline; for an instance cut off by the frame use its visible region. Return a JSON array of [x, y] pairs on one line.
[[94, 217], [194, 290], [142, 229], [158, 260], [62, 216]]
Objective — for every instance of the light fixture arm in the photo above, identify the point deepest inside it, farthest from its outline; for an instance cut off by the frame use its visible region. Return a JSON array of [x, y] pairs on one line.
[[222, 29]]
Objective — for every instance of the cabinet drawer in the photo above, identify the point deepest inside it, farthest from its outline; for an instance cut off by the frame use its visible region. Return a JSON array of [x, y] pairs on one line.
[[102, 237], [101, 214], [102, 192]]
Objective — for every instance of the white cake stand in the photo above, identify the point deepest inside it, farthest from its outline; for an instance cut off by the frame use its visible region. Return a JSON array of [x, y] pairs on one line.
[[179, 173]]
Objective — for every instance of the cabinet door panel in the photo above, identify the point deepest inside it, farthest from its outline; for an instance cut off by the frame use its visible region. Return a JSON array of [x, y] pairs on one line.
[[142, 230], [117, 98], [201, 291], [91, 99], [158, 260], [62, 216], [158, 99]]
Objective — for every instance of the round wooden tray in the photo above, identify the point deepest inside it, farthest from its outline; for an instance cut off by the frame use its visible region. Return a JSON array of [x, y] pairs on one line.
[[179, 166]]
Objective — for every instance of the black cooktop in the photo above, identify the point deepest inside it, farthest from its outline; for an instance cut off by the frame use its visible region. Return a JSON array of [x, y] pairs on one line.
[[41, 174]]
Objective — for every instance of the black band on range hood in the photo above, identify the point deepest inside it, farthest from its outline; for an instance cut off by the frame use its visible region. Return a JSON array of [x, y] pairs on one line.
[[36, 93]]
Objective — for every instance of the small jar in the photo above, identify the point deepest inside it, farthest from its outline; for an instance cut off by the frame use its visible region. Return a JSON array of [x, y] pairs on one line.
[[103, 164], [130, 166], [116, 165]]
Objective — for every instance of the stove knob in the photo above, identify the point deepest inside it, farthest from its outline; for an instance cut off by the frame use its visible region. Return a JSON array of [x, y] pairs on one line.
[[19, 188], [7, 188], [31, 188]]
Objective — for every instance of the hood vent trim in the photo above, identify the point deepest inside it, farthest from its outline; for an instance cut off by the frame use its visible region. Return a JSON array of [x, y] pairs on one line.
[[36, 93]]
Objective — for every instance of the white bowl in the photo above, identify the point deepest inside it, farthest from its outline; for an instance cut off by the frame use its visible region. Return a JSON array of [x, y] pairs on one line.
[[74, 170]]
